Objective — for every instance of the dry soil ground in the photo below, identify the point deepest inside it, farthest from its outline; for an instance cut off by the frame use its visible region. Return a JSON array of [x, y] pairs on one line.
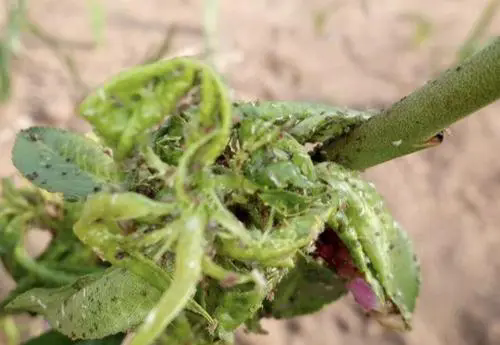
[[361, 54]]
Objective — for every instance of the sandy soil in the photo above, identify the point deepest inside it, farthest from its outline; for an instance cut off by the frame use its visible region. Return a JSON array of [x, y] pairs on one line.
[[362, 54]]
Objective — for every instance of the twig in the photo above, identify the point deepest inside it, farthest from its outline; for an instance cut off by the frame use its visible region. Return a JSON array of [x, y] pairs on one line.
[[9, 45], [66, 59], [210, 30], [415, 122], [172, 31], [479, 29]]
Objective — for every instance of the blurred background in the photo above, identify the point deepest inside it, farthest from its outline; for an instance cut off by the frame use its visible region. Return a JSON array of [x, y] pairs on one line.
[[355, 53]]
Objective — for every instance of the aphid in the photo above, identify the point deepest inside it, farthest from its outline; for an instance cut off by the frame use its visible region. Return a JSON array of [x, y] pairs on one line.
[[64, 162]]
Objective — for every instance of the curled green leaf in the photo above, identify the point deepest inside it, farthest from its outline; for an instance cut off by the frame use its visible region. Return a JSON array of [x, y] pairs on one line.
[[378, 246], [305, 121], [126, 108], [281, 243]]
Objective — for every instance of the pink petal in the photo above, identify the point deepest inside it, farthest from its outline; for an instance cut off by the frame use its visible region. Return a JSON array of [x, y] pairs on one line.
[[363, 293]]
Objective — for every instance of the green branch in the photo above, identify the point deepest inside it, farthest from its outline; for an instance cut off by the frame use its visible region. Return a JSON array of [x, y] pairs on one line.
[[414, 122]]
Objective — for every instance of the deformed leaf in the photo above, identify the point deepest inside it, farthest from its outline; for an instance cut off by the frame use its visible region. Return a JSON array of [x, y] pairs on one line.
[[284, 201], [305, 121], [307, 288], [56, 338], [187, 330], [62, 161], [281, 163], [378, 246], [132, 103], [94, 306], [238, 305], [271, 248]]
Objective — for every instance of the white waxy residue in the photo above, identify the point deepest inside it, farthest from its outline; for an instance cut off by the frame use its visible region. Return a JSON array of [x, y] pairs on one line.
[[150, 318], [38, 301], [193, 224], [89, 112], [41, 304], [258, 278], [101, 94], [273, 178]]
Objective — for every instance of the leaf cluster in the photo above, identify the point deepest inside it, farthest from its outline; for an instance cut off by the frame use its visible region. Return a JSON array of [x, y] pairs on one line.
[[185, 216]]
